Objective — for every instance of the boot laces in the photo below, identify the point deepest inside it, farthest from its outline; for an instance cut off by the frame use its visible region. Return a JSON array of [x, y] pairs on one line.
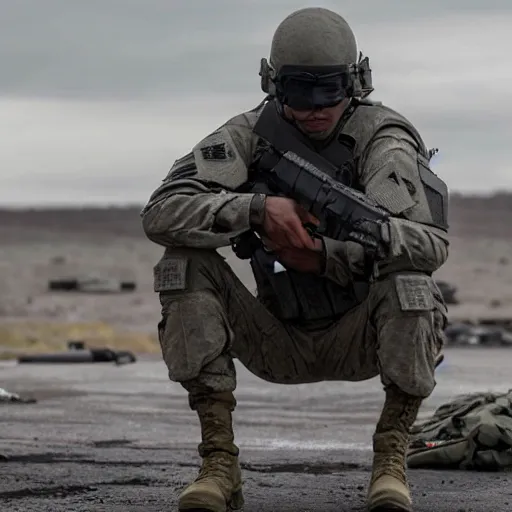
[[389, 465], [216, 465], [389, 458]]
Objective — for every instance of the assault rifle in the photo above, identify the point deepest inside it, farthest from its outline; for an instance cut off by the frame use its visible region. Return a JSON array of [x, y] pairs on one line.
[[344, 213]]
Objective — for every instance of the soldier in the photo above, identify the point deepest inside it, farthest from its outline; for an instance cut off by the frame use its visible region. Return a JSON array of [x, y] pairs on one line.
[[325, 309]]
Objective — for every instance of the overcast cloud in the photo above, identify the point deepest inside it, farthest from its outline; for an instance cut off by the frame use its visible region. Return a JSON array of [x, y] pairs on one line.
[[99, 97]]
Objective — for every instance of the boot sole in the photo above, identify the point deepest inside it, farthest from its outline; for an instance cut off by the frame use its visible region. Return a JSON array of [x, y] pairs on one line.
[[390, 507], [385, 501], [235, 505], [229, 509]]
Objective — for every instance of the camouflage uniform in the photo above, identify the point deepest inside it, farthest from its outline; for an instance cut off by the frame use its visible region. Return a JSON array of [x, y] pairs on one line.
[[209, 317]]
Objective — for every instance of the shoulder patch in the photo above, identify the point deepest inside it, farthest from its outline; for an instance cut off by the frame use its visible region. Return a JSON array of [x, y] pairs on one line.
[[221, 157], [217, 152]]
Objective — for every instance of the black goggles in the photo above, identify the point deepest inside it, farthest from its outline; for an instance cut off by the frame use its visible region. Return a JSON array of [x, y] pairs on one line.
[[308, 89]]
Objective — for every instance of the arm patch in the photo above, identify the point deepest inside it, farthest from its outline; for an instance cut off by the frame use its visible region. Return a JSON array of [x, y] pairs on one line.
[[393, 193], [217, 152], [219, 161]]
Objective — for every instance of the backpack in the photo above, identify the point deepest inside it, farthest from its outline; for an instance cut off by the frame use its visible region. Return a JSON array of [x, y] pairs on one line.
[[472, 432]]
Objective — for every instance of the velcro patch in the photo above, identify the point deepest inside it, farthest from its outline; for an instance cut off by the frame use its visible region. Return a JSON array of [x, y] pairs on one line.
[[414, 293], [218, 151], [170, 275]]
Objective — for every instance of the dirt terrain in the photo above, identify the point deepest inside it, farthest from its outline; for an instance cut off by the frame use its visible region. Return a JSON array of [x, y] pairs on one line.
[[121, 439], [40, 245]]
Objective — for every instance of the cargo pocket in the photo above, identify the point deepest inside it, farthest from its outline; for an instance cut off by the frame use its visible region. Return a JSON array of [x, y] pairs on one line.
[[414, 292], [193, 332], [407, 341]]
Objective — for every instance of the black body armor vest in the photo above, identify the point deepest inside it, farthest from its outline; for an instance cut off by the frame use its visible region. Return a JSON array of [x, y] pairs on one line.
[[293, 296]]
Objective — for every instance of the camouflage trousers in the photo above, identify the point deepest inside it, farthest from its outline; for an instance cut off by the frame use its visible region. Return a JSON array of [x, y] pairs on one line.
[[209, 318]]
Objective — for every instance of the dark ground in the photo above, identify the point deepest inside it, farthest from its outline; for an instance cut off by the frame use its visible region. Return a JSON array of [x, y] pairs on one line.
[[107, 438]]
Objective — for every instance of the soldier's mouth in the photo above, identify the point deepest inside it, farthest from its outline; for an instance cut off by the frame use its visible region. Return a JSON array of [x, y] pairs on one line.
[[316, 125]]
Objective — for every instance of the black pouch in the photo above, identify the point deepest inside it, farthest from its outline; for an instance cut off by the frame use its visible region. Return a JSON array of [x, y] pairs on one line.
[[296, 296]]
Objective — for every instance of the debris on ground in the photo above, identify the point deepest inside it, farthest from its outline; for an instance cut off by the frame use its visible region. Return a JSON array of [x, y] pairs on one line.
[[8, 397], [91, 285], [78, 353], [479, 333]]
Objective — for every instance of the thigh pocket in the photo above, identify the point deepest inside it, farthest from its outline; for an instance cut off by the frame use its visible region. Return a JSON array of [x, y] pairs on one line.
[[192, 333], [414, 292], [419, 293]]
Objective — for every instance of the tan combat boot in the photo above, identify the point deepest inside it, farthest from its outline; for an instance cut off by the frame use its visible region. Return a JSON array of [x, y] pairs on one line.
[[218, 487], [389, 490]]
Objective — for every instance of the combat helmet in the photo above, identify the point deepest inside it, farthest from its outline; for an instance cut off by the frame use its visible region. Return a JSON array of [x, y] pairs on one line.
[[314, 61]]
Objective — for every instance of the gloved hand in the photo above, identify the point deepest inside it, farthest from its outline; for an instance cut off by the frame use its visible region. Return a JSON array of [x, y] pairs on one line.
[[373, 236]]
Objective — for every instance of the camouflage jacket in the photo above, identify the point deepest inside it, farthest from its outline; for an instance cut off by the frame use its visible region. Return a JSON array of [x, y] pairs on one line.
[[197, 204]]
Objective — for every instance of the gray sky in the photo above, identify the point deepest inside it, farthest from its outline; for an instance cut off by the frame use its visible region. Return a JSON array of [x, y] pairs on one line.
[[99, 97]]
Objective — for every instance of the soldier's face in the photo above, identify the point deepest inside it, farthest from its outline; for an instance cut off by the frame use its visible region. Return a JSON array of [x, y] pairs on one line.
[[319, 120]]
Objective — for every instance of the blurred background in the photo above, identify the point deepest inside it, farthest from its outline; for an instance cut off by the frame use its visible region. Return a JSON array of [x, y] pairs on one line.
[[98, 99]]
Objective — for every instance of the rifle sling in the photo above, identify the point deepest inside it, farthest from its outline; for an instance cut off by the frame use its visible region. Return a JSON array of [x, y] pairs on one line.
[[283, 137]]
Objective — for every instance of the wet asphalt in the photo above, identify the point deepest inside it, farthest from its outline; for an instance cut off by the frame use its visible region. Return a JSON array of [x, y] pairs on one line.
[[121, 438]]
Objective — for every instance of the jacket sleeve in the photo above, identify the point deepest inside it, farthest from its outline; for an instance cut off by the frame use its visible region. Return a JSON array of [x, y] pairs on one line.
[[396, 173], [393, 171], [343, 260], [196, 205]]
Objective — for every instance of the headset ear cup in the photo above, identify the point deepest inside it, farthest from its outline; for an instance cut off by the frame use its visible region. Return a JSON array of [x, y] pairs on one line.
[[360, 79], [265, 75], [364, 74], [267, 84]]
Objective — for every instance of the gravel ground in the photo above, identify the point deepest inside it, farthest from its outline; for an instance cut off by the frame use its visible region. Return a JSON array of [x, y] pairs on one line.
[[107, 438]]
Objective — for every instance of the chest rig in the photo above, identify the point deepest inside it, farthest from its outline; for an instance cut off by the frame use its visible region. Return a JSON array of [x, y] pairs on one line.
[[293, 296]]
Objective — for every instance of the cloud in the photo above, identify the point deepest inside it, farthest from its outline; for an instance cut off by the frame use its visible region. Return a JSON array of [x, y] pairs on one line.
[[68, 152], [99, 97]]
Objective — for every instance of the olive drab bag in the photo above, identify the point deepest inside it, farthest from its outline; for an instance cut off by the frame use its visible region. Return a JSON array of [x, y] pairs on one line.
[[471, 432]]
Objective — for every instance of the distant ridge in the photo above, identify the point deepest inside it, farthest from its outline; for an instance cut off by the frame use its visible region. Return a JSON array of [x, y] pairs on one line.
[[469, 214]]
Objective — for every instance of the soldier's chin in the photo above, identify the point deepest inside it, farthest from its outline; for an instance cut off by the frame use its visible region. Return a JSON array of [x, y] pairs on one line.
[[317, 134]]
